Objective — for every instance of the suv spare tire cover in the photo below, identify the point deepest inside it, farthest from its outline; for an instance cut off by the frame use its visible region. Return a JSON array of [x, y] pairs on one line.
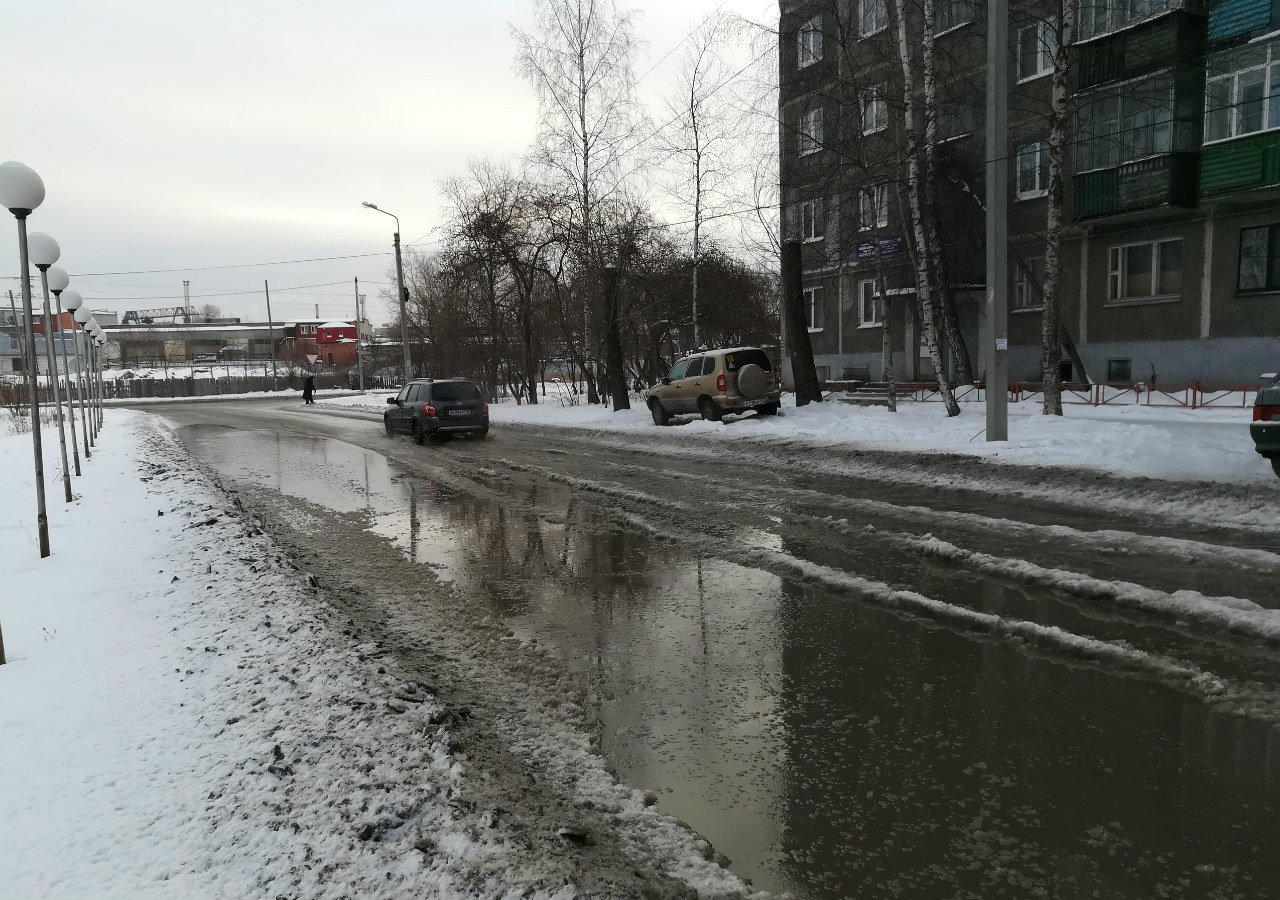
[[751, 382]]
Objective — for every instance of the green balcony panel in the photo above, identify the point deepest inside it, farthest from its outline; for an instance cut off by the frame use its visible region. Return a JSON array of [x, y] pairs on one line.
[[1097, 193], [1162, 42], [1240, 165], [1168, 180]]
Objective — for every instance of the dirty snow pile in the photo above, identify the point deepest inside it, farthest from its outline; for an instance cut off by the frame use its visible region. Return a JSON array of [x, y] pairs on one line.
[[178, 719]]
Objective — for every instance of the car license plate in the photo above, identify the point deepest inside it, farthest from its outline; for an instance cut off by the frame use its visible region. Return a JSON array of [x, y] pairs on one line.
[[459, 412]]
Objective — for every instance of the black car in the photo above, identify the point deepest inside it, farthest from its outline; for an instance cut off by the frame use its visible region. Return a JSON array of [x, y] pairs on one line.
[[435, 406], [1265, 427]]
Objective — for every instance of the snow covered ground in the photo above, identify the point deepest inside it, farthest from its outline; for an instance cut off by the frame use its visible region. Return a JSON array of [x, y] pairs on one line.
[[1155, 441], [179, 717]]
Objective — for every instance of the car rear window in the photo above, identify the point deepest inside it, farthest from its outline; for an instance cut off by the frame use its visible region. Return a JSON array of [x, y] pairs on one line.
[[739, 358], [455, 390]]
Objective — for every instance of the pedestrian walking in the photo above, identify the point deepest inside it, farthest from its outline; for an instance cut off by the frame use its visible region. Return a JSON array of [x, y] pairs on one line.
[[309, 390]]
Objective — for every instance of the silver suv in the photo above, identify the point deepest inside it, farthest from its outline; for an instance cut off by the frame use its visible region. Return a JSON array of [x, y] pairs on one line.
[[716, 382]]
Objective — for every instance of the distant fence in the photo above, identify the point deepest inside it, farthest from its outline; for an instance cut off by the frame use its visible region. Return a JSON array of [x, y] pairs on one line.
[[1194, 395], [145, 388]]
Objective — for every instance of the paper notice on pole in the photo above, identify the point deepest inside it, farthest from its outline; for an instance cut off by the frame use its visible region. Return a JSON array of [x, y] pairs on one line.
[[1002, 343]]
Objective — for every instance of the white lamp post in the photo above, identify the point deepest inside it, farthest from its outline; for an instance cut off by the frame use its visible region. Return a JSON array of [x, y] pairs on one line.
[[22, 191], [74, 303], [44, 252], [82, 317], [404, 318], [98, 341], [58, 280]]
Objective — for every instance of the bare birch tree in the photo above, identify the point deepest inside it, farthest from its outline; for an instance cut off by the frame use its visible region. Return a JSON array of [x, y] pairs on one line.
[[1051, 331], [696, 139], [579, 62], [927, 247]]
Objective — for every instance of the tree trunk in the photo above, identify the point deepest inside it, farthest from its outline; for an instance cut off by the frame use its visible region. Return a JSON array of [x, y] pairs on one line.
[[926, 270], [613, 342], [940, 289], [803, 370], [1051, 319], [886, 340]]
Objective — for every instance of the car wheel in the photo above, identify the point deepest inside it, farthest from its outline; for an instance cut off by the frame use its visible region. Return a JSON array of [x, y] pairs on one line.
[[481, 434], [419, 436], [386, 423], [709, 410], [660, 415], [769, 409], [1275, 464]]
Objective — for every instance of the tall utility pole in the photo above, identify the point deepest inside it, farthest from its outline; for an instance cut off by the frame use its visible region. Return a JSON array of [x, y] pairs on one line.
[[995, 318], [404, 313], [271, 335], [359, 353], [401, 296]]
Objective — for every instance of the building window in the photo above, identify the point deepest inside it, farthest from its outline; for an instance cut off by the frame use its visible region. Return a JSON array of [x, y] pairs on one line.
[[1037, 45], [809, 37], [1260, 258], [1133, 122], [1033, 170], [875, 110], [1028, 284], [1143, 271], [812, 220], [1100, 16], [873, 207], [811, 131], [813, 307], [873, 16], [951, 14], [1242, 93], [1120, 371], [955, 120], [868, 304]]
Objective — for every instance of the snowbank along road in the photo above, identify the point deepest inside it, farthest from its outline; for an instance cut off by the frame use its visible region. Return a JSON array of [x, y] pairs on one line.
[[855, 673]]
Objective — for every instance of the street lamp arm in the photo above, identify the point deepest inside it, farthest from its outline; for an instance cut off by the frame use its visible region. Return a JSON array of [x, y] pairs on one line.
[[367, 205]]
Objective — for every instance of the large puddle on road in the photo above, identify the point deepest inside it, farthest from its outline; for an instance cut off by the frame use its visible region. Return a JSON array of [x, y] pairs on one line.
[[828, 747]]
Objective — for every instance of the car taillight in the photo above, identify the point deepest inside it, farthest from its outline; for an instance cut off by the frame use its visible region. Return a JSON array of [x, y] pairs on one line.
[[1266, 413], [428, 410], [484, 409], [720, 383]]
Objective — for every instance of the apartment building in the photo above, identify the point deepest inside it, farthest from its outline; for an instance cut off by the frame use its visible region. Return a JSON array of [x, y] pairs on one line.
[[1171, 262]]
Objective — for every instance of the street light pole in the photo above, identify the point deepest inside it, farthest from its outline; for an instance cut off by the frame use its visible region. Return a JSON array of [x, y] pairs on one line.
[[82, 315], [271, 337], [57, 280], [995, 318], [404, 316], [44, 252], [21, 191], [359, 358], [73, 302]]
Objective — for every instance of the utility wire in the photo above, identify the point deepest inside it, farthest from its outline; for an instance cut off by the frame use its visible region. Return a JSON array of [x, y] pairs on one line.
[[282, 262]]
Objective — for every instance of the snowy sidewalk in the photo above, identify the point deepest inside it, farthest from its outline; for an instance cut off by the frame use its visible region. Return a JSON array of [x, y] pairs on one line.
[[179, 720], [1131, 440]]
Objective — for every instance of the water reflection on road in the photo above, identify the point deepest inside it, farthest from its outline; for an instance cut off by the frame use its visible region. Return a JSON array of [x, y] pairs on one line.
[[828, 747]]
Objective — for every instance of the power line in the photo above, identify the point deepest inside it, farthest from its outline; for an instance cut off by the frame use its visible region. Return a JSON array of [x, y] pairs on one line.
[[282, 262], [680, 42], [301, 287]]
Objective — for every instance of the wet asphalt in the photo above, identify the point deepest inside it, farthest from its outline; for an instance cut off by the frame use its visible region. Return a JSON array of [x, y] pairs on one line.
[[790, 664]]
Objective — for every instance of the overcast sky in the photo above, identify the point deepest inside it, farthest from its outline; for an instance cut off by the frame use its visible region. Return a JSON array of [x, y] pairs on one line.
[[178, 134]]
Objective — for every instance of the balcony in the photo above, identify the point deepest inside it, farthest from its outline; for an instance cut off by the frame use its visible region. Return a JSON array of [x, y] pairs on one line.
[[1244, 164], [1159, 181], [1158, 43]]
